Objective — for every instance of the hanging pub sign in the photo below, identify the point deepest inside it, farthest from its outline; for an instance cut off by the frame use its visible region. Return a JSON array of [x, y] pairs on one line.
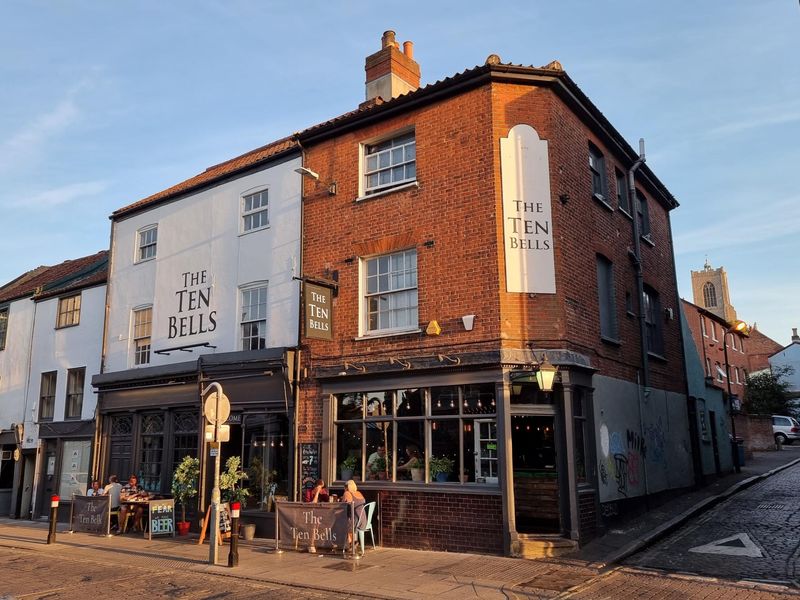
[[318, 301]]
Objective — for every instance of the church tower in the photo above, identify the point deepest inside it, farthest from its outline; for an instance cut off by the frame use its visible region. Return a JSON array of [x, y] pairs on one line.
[[710, 290]]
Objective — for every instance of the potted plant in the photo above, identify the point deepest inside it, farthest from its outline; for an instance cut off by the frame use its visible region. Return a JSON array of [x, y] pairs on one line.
[[377, 468], [229, 482], [184, 487], [348, 467], [417, 467], [441, 467]]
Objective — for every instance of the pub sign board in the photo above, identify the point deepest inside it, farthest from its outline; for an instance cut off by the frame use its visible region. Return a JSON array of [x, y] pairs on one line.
[[302, 525], [318, 304], [162, 518], [91, 514]]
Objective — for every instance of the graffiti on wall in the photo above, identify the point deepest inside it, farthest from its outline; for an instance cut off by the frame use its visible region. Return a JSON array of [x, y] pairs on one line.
[[623, 456], [654, 432]]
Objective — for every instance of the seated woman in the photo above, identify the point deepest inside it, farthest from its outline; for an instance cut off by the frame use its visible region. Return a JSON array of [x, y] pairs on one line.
[[351, 494], [316, 494], [413, 460]]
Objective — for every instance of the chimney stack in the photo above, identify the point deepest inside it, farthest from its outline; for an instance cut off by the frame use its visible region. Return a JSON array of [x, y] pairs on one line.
[[391, 72], [795, 337]]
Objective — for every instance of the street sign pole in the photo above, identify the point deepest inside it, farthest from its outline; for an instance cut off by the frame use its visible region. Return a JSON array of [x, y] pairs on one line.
[[217, 409]]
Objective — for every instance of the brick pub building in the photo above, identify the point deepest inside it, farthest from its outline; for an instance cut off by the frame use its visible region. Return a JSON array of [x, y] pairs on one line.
[[475, 229]]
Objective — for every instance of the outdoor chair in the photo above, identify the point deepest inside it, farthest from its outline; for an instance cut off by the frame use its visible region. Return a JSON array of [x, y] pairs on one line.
[[369, 509]]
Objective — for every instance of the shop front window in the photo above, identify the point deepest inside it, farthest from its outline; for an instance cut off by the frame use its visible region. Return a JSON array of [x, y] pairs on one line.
[[75, 457], [265, 460], [152, 452], [438, 434]]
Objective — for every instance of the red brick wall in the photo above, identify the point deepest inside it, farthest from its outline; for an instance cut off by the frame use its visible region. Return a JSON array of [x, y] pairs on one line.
[[759, 349], [447, 522], [756, 430]]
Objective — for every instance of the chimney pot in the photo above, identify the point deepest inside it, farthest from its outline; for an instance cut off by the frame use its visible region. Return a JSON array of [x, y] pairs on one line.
[[795, 337], [408, 49], [388, 39]]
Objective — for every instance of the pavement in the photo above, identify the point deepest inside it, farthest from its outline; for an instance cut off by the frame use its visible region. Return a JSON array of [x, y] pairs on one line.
[[400, 573]]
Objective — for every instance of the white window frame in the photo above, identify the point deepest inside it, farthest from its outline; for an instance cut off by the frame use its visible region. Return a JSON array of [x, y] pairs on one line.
[[256, 286], [74, 392], [708, 367], [409, 147], [713, 331], [390, 293], [144, 244], [3, 326], [69, 307], [142, 344], [703, 326], [260, 212]]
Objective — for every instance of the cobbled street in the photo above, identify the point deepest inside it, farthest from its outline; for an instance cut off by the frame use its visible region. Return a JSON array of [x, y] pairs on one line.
[[753, 535]]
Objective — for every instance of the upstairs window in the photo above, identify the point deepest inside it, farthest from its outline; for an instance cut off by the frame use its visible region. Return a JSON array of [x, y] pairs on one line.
[[606, 294], [69, 311], [147, 242], [254, 317], [47, 396], [652, 311], [142, 330], [597, 168], [255, 211], [390, 163], [3, 327], [622, 193], [75, 381], [708, 367], [709, 295], [390, 292], [643, 215], [703, 326]]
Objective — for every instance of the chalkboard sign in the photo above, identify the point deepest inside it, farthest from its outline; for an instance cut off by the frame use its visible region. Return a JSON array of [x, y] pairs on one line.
[[309, 465], [91, 514], [162, 518]]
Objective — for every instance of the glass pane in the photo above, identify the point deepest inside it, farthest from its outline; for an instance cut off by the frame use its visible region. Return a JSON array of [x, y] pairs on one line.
[[443, 463], [379, 404], [383, 160], [385, 177], [469, 454], [479, 399], [410, 450], [349, 406], [444, 400], [411, 151], [411, 171], [348, 451], [74, 468], [397, 156], [397, 173], [379, 450], [524, 390], [372, 163], [410, 403]]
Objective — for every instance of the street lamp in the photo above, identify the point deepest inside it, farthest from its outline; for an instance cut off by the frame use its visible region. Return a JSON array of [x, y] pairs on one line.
[[546, 375], [744, 329]]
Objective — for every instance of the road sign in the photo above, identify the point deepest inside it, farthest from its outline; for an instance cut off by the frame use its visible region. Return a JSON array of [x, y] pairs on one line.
[[213, 405]]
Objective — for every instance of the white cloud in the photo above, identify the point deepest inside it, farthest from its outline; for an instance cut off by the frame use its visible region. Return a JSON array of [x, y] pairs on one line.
[[60, 195], [764, 222]]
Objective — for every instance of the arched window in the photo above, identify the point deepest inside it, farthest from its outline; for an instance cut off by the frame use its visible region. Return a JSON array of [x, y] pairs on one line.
[[709, 295]]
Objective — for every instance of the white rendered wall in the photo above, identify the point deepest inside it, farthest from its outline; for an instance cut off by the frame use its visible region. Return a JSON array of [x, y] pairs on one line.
[[63, 349], [14, 361], [788, 357], [201, 234]]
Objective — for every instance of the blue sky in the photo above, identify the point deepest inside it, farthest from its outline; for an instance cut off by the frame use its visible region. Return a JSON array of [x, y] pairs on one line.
[[104, 103]]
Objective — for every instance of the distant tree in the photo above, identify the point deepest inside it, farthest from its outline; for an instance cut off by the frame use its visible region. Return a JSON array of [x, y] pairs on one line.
[[767, 393]]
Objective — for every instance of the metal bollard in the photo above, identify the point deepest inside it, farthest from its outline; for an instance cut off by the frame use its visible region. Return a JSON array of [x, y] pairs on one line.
[[51, 535], [233, 555]]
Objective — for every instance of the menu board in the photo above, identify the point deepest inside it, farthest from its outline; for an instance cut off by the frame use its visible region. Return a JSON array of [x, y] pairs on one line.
[[162, 518], [91, 514], [309, 465]]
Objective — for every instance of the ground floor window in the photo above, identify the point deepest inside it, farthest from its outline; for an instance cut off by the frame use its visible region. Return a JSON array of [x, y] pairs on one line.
[[265, 458], [75, 456], [443, 433]]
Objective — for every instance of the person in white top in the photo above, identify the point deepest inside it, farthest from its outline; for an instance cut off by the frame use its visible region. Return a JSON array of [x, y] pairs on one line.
[[95, 489], [113, 489]]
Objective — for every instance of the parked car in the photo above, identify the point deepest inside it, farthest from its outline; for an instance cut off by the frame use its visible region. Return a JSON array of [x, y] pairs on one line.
[[785, 429]]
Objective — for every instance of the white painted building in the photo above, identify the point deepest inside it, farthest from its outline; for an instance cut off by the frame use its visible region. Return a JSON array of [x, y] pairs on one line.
[[51, 347], [202, 288], [789, 357]]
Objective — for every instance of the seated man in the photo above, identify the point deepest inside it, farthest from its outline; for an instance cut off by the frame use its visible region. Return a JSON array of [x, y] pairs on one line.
[[131, 491], [113, 490], [316, 494]]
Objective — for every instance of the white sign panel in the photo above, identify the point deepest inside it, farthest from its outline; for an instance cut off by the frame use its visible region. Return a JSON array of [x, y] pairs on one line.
[[527, 215]]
